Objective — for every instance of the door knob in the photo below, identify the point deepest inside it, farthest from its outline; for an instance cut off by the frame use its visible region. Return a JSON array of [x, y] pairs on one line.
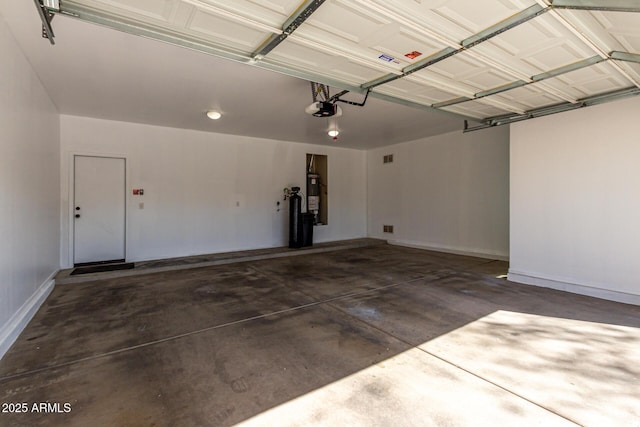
[[77, 215], [77, 208]]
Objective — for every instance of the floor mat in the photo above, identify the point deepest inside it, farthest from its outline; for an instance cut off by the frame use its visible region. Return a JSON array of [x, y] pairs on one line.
[[101, 268]]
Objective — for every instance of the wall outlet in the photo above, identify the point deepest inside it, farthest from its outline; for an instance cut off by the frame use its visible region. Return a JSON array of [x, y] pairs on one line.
[[387, 228]]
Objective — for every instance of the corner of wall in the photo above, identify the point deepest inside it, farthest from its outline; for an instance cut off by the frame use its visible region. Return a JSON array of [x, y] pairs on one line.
[[29, 175], [573, 204], [10, 331], [446, 192]]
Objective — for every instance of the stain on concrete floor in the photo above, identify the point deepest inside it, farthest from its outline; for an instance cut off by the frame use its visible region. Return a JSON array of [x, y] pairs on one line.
[[378, 335]]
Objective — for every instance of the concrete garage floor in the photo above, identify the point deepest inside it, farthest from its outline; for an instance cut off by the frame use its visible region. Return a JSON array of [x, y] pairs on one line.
[[378, 335]]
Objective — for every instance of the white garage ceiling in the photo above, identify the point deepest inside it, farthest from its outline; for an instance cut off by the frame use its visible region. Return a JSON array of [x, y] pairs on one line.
[[490, 61], [95, 71], [495, 61]]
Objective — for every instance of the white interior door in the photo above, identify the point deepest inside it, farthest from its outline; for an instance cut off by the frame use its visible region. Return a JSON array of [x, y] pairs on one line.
[[99, 209]]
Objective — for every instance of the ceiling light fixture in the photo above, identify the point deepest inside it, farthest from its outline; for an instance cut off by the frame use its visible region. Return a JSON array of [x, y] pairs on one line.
[[214, 115], [333, 128]]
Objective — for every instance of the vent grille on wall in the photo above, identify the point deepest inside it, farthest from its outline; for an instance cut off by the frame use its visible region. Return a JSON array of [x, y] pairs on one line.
[[387, 228], [388, 158]]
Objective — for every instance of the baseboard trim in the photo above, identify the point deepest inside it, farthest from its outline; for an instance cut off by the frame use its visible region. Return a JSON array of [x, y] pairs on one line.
[[14, 327], [466, 252], [575, 288]]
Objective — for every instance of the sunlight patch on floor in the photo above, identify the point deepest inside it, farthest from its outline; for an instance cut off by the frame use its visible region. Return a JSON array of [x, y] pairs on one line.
[[411, 388], [584, 370], [507, 368]]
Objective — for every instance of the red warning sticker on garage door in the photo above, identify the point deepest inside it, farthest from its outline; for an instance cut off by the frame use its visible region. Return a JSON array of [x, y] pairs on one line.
[[413, 55]]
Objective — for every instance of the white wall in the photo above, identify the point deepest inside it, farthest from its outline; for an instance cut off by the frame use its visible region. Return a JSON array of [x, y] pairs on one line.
[[194, 180], [575, 201], [29, 192], [448, 192]]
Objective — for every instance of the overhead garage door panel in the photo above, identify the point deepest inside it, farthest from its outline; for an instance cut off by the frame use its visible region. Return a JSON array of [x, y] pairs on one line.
[[507, 56]]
